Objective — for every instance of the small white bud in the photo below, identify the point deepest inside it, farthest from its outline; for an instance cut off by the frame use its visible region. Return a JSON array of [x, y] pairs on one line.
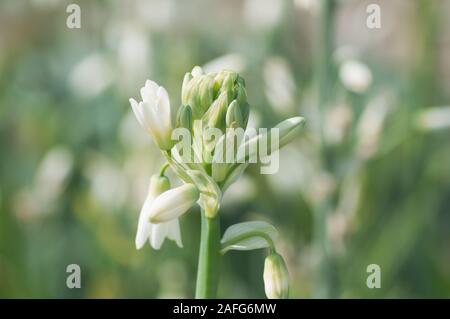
[[276, 277]]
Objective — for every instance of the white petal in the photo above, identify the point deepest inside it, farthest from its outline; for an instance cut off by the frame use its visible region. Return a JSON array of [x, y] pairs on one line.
[[144, 226], [151, 119], [159, 233], [174, 232], [137, 111], [148, 92], [173, 203], [163, 105], [152, 85], [196, 71]]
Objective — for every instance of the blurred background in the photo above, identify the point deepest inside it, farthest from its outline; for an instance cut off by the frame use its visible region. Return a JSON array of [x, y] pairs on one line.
[[366, 183]]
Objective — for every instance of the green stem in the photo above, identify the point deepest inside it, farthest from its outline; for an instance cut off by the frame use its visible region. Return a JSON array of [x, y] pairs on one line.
[[209, 258]]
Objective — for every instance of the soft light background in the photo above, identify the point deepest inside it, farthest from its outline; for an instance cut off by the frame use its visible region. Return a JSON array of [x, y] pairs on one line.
[[74, 163]]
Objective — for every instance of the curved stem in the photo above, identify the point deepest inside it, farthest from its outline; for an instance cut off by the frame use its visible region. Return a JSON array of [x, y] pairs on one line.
[[163, 169], [247, 235], [209, 258]]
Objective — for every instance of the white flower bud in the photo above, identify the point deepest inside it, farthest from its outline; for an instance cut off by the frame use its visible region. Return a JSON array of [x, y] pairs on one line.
[[153, 113], [173, 203], [276, 277]]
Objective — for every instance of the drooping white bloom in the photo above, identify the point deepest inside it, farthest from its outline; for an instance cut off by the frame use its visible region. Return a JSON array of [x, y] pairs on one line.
[[156, 233], [153, 113], [173, 203]]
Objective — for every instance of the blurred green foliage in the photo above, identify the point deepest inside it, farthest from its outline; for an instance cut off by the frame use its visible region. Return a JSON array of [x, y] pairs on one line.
[[74, 163]]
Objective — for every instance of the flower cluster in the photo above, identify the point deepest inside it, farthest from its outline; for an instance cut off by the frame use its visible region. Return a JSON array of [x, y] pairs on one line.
[[218, 102]]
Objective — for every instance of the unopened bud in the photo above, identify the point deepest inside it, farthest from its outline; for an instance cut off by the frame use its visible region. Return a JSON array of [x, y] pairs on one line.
[[215, 117], [184, 117], [173, 203], [234, 115], [276, 277]]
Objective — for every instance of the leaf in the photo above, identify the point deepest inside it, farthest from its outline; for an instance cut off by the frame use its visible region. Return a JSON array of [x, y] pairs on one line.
[[248, 236]]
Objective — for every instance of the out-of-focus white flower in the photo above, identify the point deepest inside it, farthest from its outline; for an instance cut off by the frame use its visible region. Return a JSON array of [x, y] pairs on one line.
[[370, 125], [355, 75], [91, 76], [337, 120], [276, 277], [434, 118], [50, 181], [107, 181], [279, 84], [153, 113], [156, 233], [156, 14], [53, 172], [232, 61], [173, 203], [262, 14]]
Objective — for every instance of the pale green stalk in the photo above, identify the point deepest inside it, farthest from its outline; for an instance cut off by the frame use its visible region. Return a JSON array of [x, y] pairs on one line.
[[208, 258]]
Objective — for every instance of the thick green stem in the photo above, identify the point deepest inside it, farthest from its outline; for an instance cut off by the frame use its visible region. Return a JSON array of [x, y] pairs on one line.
[[209, 258]]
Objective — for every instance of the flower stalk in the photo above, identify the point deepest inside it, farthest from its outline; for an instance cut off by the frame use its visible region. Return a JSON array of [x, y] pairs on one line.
[[208, 258]]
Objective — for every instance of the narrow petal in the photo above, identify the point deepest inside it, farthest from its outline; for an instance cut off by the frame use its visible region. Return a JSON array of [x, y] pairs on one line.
[[174, 232], [151, 120], [159, 233], [163, 106], [152, 85], [137, 112], [148, 92], [144, 226]]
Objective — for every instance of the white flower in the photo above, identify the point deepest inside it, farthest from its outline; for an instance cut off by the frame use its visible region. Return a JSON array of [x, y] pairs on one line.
[[156, 233], [153, 113], [355, 75], [173, 203]]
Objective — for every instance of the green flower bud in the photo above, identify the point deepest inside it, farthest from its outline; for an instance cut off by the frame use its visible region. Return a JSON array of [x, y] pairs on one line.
[[158, 184], [234, 115], [215, 117], [202, 92], [245, 110], [184, 88], [289, 129], [276, 277], [184, 117]]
